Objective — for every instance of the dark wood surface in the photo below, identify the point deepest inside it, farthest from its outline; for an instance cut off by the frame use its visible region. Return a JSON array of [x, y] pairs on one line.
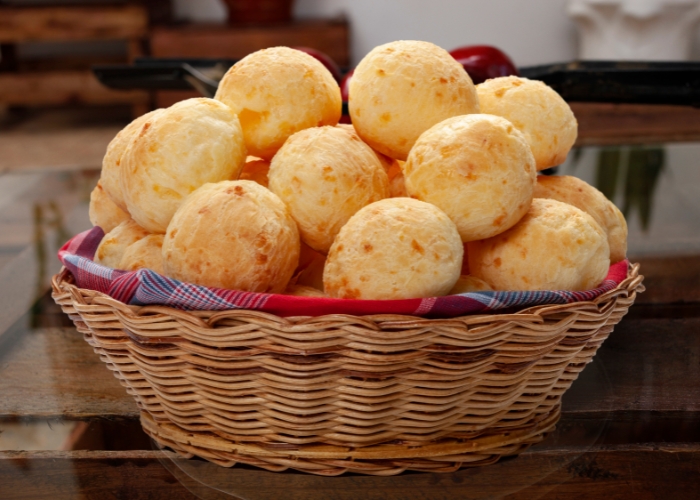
[[72, 22], [611, 472], [611, 124]]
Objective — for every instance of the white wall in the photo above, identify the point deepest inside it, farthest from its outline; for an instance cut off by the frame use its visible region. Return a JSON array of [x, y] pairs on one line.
[[530, 31]]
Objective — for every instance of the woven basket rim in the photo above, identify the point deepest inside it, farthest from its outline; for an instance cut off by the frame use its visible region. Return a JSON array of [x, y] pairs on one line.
[[64, 280]]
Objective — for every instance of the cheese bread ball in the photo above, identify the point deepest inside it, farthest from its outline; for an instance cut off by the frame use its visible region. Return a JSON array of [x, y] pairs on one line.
[[556, 246], [401, 89], [468, 283], [537, 111], [478, 169], [303, 291], [181, 148], [397, 182], [310, 269], [146, 253], [256, 170], [112, 247], [277, 92], [103, 211], [383, 159], [582, 195], [111, 163], [232, 234], [397, 248], [325, 175]]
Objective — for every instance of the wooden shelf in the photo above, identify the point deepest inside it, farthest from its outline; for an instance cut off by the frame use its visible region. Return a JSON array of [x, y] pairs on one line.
[[64, 82], [61, 88], [48, 23], [601, 124]]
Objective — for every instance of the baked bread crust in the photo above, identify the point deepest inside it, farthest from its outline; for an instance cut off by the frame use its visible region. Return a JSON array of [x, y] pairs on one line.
[[396, 248], [232, 234], [401, 89]]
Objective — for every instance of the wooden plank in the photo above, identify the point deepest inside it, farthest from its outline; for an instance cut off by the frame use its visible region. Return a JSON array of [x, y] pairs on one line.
[[670, 279], [82, 474], [214, 41], [53, 23], [53, 373], [614, 124], [62, 87], [650, 365], [619, 472]]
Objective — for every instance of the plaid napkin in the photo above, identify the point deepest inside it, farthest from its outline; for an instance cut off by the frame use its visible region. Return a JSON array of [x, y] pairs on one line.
[[144, 287]]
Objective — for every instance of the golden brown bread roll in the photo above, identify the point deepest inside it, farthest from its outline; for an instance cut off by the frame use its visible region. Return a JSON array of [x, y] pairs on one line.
[[397, 182], [146, 253], [256, 170], [478, 169], [310, 269], [396, 248], [103, 211], [467, 284], [112, 247], [582, 195], [401, 89], [325, 175], [232, 234], [303, 291], [277, 92], [189, 144], [111, 163], [537, 111], [556, 246]]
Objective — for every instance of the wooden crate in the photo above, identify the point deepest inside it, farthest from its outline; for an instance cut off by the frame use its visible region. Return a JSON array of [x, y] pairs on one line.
[[69, 85]]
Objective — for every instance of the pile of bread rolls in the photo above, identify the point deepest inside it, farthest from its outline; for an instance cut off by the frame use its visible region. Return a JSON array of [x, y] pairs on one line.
[[432, 190]]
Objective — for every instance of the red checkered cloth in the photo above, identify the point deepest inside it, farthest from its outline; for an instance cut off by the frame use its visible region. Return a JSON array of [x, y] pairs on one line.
[[144, 287]]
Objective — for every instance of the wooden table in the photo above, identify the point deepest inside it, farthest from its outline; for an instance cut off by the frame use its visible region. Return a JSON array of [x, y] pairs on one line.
[[630, 426]]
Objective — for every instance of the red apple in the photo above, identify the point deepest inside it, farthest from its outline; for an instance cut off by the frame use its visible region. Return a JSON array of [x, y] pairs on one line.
[[345, 85], [345, 95], [483, 62], [325, 60]]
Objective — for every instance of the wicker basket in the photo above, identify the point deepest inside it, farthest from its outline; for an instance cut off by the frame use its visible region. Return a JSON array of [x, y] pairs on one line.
[[332, 394]]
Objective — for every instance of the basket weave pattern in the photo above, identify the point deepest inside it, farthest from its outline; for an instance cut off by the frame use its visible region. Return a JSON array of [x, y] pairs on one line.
[[331, 394]]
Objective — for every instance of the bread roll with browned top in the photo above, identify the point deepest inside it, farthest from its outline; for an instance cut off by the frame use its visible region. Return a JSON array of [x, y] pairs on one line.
[[396, 248], [401, 89], [582, 195], [181, 148], [277, 92], [325, 175], [111, 163], [146, 253], [256, 170], [537, 111], [310, 269], [468, 283], [478, 169], [112, 247], [103, 212], [303, 291], [556, 246], [232, 234]]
